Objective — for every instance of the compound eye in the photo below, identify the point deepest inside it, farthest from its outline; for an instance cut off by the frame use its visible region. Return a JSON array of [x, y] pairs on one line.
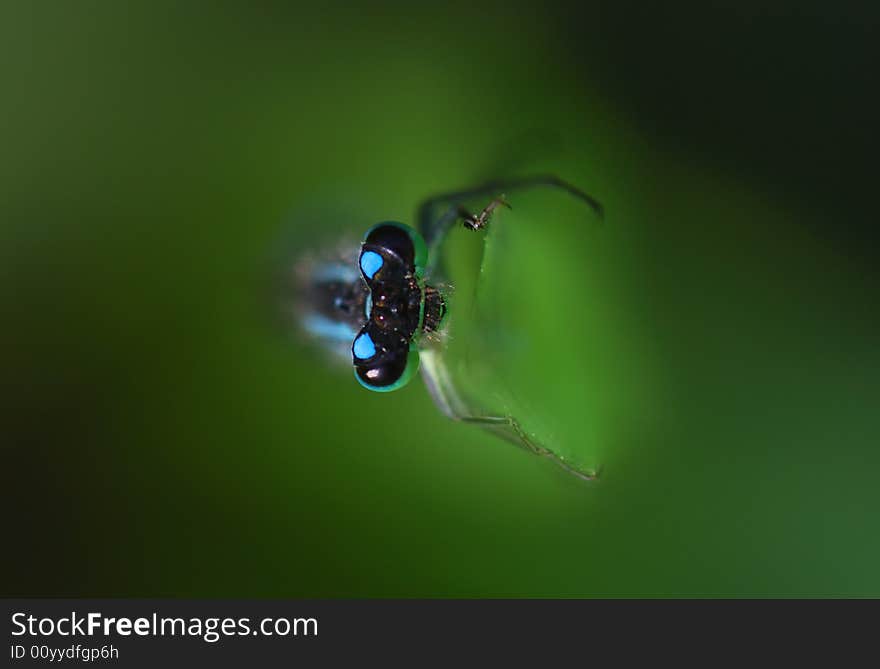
[[390, 373], [402, 241], [394, 238]]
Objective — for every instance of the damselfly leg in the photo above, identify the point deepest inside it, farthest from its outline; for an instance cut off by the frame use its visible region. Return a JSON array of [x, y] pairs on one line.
[[438, 214]]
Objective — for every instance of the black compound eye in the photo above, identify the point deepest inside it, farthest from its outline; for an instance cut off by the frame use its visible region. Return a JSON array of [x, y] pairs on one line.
[[389, 373], [382, 375], [394, 238]]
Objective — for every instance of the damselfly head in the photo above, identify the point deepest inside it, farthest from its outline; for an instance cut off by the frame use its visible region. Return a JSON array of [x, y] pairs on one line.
[[371, 304]]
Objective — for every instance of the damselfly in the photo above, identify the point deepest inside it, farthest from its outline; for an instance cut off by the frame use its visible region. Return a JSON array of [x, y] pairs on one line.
[[384, 307]]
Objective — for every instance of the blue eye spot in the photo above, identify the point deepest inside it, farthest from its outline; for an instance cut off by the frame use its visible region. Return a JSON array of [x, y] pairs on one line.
[[363, 347], [371, 262]]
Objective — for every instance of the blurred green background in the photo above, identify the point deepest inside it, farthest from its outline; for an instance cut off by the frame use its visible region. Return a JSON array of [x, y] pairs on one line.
[[160, 435]]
